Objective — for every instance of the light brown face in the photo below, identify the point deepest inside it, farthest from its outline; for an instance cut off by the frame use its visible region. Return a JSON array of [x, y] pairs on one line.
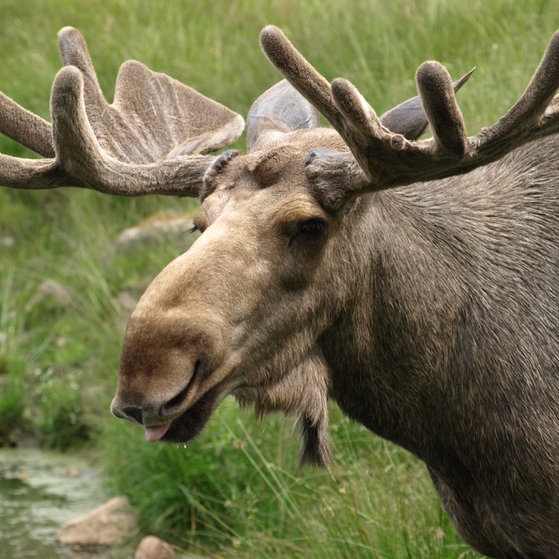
[[241, 310]]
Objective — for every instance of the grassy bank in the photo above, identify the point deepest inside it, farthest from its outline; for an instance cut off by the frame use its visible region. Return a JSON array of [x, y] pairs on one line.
[[236, 491]]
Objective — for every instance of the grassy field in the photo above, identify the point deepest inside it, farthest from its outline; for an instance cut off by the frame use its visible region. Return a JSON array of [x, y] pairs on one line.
[[236, 491]]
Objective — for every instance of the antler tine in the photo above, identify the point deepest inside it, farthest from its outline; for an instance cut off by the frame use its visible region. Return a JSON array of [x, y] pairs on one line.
[[356, 121], [439, 103], [73, 51], [408, 118], [147, 142], [81, 155], [24, 127], [17, 172], [382, 159], [533, 103], [440, 106], [299, 72]]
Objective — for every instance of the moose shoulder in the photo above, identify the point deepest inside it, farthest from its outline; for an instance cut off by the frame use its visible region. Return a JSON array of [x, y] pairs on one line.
[[412, 281]]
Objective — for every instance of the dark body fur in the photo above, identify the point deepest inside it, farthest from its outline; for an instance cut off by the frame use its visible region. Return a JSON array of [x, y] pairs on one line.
[[460, 362]]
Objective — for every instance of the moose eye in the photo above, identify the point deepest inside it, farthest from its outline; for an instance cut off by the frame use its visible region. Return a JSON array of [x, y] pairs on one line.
[[312, 230]]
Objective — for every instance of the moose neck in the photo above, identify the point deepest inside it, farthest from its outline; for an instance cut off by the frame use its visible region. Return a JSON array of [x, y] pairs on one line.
[[451, 263], [391, 347]]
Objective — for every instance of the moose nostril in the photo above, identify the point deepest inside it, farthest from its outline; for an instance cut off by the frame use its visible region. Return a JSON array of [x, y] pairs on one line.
[[133, 412]]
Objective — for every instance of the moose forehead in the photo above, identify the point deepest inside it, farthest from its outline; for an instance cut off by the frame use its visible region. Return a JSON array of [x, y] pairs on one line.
[[269, 181]]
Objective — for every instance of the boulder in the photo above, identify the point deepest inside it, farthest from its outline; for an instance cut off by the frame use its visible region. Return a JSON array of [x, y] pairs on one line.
[[112, 523]]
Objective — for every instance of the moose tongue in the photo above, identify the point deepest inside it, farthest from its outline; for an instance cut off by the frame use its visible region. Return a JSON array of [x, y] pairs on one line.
[[156, 432]]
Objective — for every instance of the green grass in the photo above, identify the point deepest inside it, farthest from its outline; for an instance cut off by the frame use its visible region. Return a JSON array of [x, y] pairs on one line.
[[236, 491]]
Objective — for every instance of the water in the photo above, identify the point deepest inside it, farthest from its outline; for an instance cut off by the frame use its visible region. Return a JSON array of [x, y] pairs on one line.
[[40, 491]]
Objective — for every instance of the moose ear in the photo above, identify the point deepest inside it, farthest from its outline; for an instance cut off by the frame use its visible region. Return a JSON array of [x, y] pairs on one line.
[[408, 118], [278, 110]]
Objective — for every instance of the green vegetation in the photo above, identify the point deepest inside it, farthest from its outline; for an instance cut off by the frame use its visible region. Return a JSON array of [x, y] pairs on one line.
[[236, 491]]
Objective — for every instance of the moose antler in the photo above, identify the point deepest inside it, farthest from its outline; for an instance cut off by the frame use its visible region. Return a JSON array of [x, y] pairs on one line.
[[149, 141], [381, 159]]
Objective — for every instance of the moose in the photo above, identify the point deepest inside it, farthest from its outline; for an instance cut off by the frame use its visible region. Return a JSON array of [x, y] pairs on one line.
[[413, 281]]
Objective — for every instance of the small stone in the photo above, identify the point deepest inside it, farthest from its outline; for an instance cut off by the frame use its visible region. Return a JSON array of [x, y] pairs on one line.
[[7, 241], [152, 547], [52, 293]]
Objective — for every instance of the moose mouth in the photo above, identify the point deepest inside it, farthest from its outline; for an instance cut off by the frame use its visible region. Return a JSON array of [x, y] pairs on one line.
[[190, 424], [193, 420]]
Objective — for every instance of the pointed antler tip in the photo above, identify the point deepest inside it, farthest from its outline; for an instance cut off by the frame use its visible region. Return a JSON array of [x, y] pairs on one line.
[[432, 76], [68, 31], [552, 51], [71, 43], [341, 90], [431, 67], [270, 30], [270, 36], [340, 83], [66, 89]]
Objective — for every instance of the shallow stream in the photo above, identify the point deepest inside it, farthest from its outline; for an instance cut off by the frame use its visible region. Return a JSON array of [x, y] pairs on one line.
[[40, 491]]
